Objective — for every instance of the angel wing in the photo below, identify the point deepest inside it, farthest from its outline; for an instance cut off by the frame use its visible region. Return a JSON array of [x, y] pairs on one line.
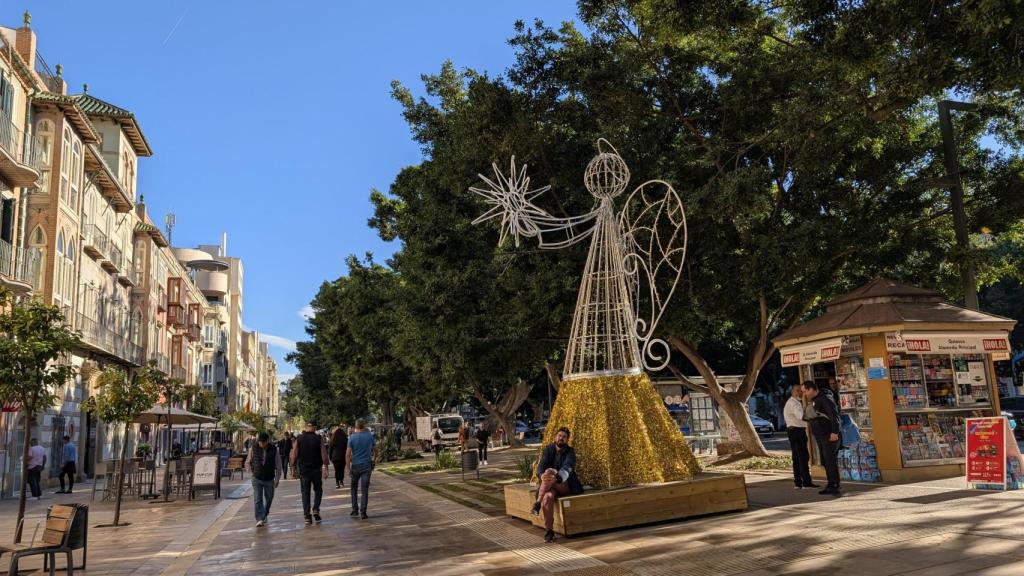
[[511, 199], [653, 228]]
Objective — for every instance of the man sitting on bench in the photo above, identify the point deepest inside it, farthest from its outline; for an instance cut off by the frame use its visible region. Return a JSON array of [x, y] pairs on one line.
[[557, 473]]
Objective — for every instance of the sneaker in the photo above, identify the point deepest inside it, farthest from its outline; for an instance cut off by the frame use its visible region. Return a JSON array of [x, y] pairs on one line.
[[261, 524], [316, 518], [354, 513], [797, 487], [309, 520], [549, 536], [536, 508], [363, 516]]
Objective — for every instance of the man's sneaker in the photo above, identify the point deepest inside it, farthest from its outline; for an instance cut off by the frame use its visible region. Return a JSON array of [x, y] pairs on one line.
[[261, 524], [549, 536], [536, 508], [309, 520], [316, 518], [363, 516], [354, 513]]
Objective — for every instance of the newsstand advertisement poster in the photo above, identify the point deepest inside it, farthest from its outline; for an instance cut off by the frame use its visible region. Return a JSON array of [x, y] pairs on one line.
[[986, 450]]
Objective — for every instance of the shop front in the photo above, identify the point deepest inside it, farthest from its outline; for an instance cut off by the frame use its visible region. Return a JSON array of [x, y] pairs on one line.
[[908, 369]]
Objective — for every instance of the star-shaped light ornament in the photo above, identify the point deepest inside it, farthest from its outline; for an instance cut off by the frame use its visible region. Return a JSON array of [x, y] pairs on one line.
[[510, 198]]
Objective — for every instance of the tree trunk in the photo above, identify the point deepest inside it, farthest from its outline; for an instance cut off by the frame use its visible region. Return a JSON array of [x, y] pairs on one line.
[[553, 378], [170, 452], [24, 478], [538, 410], [504, 411], [733, 403], [120, 475]]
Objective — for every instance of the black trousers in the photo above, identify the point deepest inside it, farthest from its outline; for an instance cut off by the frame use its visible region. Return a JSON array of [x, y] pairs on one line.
[[68, 470], [339, 471], [35, 474], [801, 456], [482, 449], [311, 479], [829, 459]]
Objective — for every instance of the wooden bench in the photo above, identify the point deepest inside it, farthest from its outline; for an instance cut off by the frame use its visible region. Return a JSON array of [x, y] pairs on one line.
[[54, 541], [236, 464], [705, 493]]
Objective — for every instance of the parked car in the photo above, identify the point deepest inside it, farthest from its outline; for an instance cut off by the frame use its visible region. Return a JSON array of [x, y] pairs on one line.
[[1014, 406], [765, 429], [522, 427]]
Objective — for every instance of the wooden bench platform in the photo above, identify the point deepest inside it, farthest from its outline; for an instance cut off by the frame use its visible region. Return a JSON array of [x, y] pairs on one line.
[[705, 493]]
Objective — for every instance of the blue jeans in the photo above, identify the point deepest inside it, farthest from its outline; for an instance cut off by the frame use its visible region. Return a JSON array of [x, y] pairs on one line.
[[360, 484], [311, 479], [262, 489]]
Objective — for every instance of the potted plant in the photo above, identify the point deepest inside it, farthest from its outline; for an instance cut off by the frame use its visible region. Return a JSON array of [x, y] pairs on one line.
[[143, 451]]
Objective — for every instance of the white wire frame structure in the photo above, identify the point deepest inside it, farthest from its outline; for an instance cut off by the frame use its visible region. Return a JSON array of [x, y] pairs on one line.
[[620, 300]]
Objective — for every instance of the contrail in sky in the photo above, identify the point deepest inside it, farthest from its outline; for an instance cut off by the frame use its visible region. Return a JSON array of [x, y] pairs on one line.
[[176, 24]]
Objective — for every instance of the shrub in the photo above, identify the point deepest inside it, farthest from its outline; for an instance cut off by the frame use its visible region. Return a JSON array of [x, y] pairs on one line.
[[445, 460], [525, 466], [411, 454]]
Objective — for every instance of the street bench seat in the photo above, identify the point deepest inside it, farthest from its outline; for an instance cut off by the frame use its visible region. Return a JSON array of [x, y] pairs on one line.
[[56, 532]]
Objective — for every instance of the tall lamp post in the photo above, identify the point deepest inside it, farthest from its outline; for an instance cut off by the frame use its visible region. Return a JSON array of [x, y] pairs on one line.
[[956, 189]]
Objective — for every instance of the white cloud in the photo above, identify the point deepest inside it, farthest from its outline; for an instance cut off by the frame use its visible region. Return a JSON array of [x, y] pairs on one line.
[[307, 312], [283, 378], [278, 341]]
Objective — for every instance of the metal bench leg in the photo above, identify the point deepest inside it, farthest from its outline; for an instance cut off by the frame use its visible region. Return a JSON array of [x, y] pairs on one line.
[[71, 563]]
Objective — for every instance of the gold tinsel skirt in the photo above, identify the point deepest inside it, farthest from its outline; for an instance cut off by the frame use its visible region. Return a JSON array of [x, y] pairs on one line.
[[622, 433]]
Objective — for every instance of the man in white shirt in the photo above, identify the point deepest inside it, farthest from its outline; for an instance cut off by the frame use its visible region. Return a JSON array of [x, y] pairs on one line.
[[36, 462], [796, 429]]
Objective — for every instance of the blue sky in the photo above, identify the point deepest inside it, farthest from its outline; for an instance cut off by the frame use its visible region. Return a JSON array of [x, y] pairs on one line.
[[272, 121]]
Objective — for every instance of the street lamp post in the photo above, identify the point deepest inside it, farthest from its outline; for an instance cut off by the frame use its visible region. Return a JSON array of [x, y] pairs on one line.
[[956, 189]]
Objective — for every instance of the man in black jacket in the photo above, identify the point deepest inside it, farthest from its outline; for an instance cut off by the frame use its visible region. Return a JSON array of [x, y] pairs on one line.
[[825, 428], [265, 466], [284, 448], [557, 473], [309, 456]]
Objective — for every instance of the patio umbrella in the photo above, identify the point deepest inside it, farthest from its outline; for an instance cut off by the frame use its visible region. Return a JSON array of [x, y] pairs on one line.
[[170, 415]]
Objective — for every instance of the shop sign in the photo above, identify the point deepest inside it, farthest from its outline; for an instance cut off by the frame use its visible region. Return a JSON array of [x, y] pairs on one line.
[[205, 470], [12, 406], [986, 450], [821, 351], [945, 343], [852, 346]]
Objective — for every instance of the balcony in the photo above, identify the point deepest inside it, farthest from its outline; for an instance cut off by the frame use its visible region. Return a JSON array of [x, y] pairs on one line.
[[19, 162], [108, 339], [161, 361], [127, 277], [113, 263], [95, 244], [178, 373], [20, 269], [175, 314], [195, 332]]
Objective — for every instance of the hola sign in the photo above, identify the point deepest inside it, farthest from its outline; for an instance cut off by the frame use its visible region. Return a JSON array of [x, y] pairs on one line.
[[926, 343]]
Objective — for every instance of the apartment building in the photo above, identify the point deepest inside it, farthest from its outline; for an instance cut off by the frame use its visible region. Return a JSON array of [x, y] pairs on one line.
[[75, 233]]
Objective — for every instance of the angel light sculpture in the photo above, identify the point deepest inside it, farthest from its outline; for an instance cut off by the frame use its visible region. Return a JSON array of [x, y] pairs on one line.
[[621, 430]]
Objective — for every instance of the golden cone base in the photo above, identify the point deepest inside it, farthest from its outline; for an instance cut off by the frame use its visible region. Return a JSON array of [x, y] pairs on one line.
[[622, 433]]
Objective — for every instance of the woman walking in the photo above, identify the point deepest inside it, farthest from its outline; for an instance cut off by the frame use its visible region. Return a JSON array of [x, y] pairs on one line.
[[337, 447]]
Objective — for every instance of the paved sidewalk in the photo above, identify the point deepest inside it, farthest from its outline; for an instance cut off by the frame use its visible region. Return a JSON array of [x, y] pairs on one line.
[[934, 528]]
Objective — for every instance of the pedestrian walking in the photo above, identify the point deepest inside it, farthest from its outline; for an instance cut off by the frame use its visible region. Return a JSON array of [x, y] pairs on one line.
[[482, 436], [823, 417], [361, 457], [309, 456], [284, 448], [69, 468], [265, 464], [36, 463], [336, 449], [796, 430]]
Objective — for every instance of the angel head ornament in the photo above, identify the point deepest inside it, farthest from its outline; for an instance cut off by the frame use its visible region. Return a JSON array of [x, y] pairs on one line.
[[635, 259]]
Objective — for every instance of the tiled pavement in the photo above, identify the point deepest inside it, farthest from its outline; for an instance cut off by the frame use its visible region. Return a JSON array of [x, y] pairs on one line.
[[922, 529]]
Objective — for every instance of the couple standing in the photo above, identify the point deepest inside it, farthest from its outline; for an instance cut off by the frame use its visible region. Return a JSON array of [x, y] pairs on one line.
[[309, 458]]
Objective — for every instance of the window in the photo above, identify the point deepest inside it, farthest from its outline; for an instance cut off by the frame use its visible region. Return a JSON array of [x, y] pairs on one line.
[[44, 132], [58, 267], [6, 96], [65, 160], [76, 173]]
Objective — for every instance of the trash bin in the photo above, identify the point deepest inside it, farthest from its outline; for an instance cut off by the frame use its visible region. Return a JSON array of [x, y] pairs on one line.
[[471, 462]]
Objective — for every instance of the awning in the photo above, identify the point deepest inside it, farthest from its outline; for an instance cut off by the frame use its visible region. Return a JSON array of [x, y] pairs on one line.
[[812, 352], [159, 414], [995, 343]]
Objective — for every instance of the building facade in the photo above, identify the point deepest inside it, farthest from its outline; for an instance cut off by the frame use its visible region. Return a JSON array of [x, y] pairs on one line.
[[75, 233]]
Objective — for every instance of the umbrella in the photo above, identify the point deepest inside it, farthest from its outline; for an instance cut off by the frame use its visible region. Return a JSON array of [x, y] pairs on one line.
[[160, 414], [170, 415]]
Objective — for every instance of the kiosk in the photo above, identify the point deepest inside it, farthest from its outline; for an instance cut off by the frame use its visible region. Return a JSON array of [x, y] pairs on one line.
[[909, 369]]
